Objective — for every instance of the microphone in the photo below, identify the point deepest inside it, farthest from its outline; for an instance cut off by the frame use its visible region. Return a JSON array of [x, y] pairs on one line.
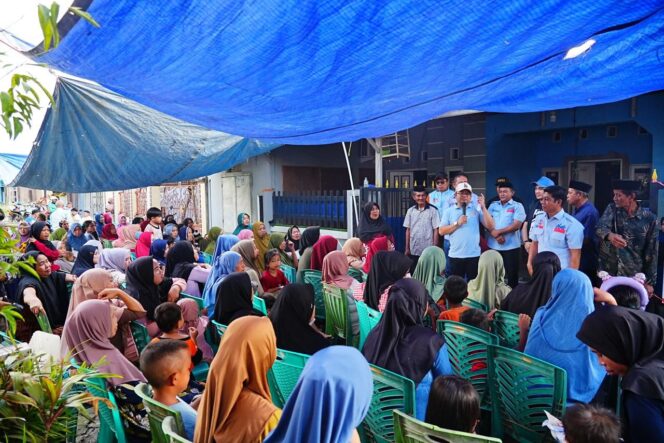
[[463, 208]]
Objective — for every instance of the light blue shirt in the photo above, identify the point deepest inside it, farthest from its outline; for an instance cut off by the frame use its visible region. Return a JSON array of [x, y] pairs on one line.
[[465, 241], [504, 216], [441, 366], [188, 417], [440, 200], [557, 234]]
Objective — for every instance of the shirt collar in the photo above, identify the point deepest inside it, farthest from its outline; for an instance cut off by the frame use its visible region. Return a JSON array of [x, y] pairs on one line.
[[558, 215]]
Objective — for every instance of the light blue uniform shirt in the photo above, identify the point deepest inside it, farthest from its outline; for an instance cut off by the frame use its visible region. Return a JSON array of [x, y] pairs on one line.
[[465, 241], [557, 234], [504, 216], [440, 199]]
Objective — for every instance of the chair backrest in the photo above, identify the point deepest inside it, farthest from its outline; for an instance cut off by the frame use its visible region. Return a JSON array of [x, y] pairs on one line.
[[207, 258], [140, 333], [390, 391], [522, 388], [168, 428], [475, 304], [221, 329], [110, 422], [314, 278], [283, 375], [467, 348], [337, 318], [368, 319], [410, 430], [199, 301], [259, 304], [290, 272], [156, 414], [356, 274], [506, 326]]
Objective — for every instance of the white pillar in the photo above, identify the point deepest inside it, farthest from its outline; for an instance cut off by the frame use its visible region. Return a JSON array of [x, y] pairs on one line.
[[376, 145]]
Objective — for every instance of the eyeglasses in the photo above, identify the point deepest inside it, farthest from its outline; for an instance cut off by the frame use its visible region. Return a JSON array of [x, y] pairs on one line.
[[440, 182]]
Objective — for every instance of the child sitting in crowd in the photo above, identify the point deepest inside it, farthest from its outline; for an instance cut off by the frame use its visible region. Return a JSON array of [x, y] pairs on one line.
[[273, 279], [455, 291], [453, 404], [167, 367], [154, 223], [168, 317], [590, 424]]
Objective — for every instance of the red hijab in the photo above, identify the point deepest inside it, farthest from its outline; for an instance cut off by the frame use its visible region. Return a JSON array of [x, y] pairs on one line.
[[106, 233], [323, 246], [143, 244], [377, 244]]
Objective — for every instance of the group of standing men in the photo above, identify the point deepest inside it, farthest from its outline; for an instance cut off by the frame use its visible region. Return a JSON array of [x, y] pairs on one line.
[[623, 241]]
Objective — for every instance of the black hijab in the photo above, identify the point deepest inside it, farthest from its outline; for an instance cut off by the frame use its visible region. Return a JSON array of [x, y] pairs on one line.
[[51, 291], [309, 237], [140, 284], [289, 237], [290, 317], [633, 338], [35, 230], [400, 342], [368, 228], [234, 298], [84, 260], [180, 260], [386, 268], [526, 298]]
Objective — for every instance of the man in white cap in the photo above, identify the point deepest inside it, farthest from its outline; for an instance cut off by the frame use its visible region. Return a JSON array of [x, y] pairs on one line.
[[461, 222]]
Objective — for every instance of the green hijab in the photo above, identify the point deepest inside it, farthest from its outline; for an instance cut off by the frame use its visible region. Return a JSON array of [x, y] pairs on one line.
[[428, 271], [58, 234], [241, 226], [489, 286], [275, 240], [212, 236]]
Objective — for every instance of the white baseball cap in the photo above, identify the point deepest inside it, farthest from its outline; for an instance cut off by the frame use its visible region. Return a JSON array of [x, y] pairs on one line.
[[463, 186]]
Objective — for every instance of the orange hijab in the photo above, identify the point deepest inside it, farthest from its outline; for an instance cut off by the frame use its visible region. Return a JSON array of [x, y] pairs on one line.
[[236, 404]]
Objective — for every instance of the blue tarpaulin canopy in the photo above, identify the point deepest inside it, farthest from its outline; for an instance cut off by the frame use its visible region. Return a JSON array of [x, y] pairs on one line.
[[313, 72], [95, 140]]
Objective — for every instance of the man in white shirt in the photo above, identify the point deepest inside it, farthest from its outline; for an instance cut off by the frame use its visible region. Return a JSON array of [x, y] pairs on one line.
[[59, 214]]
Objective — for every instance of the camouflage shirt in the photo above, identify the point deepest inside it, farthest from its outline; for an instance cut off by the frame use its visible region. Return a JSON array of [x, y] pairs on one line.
[[640, 233]]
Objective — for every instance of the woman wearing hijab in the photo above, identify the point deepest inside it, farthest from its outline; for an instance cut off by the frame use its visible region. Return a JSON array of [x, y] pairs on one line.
[[234, 298], [246, 234], [86, 259], [386, 268], [380, 243], [75, 237], [182, 263], [429, 271], [309, 238], [552, 335], [127, 237], [122, 220], [294, 235], [109, 234], [224, 244], [144, 244], [236, 406], [402, 344], [354, 250], [372, 224], [330, 400], [99, 224], [528, 297], [115, 261], [262, 241], [248, 250], [86, 338], [292, 316], [209, 242], [628, 343], [335, 272], [59, 233], [24, 236], [243, 222], [170, 232], [39, 242], [323, 246], [286, 250], [489, 286], [158, 250], [228, 263]]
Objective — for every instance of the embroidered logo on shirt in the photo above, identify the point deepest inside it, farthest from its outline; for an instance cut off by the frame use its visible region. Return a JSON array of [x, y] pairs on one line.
[[560, 229], [510, 211]]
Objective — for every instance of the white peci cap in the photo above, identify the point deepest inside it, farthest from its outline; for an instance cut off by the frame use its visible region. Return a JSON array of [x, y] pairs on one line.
[[463, 187]]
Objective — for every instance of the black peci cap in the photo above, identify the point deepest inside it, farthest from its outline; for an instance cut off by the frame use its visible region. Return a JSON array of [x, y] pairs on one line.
[[580, 186]]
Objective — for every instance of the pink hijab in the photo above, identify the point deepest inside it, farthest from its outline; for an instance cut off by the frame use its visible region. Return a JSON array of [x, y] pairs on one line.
[[127, 237], [143, 244], [86, 336], [335, 270], [246, 234], [88, 286]]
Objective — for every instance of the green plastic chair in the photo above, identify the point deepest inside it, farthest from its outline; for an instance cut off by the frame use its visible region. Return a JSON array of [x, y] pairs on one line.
[[283, 375], [314, 278], [357, 274], [207, 257], [140, 333], [111, 428], [410, 430], [368, 318], [259, 304], [337, 317], [506, 326], [157, 412], [522, 388], [168, 428], [290, 272], [467, 349], [390, 391], [475, 304], [199, 300], [221, 329]]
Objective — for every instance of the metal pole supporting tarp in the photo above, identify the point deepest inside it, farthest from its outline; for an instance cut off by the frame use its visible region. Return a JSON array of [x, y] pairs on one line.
[[350, 176]]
